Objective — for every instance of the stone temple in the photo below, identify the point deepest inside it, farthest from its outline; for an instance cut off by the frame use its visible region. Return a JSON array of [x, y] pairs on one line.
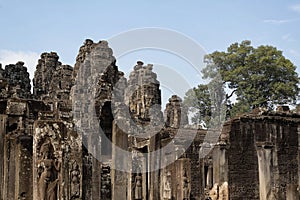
[[86, 132]]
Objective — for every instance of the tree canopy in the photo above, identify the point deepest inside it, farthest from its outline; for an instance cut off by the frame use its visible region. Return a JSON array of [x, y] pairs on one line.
[[198, 100], [259, 77]]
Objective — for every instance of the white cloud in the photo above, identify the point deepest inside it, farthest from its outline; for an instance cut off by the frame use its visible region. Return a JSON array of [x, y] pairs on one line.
[[276, 21], [295, 8], [12, 57]]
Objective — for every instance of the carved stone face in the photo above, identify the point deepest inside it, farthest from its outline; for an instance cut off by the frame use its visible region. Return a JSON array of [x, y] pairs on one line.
[[75, 166], [46, 154], [48, 165], [46, 150]]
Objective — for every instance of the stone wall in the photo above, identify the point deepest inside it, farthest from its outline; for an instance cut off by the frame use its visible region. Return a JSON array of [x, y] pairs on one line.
[[243, 177], [262, 156]]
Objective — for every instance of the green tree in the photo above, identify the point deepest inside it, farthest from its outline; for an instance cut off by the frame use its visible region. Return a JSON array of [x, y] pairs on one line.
[[206, 103], [259, 77], [198, 101]]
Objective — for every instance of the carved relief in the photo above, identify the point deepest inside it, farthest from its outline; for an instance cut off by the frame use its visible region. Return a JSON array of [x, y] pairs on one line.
[[223, 191], [105, 182], [137, 180], [138, 189], [214, 192], [186, 186], [167, 186], [48, 169], [75, 181]]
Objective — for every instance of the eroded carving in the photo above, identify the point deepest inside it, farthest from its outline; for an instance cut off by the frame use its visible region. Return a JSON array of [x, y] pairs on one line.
[[75, 181], [138, 187], [167, 194], [186, 186], [48, 177]]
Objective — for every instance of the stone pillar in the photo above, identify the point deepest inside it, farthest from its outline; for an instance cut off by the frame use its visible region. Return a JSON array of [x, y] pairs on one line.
[[209, 178], [17, 180], [145, 179], [129, 182], [92, 167], [138, 178], [17, 151], [166, 184], [154, 167], [9, 170], [119, 180], [167, 174], [183, 177], [96, 179], [24, 187], [264, 155], [3, 119], [87, 171], [220, 162]]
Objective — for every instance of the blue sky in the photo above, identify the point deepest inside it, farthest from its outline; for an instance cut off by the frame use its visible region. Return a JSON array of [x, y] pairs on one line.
[[29, 28]]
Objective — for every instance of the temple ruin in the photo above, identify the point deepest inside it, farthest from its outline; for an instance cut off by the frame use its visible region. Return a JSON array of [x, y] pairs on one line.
[[50, 146]]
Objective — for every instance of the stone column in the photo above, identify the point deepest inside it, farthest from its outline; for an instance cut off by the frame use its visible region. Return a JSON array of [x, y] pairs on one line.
[[138, 178], [167, 174], [17, 177], [209, 178], [264, 155], [155, 165], [119, 180], [183, 177], [24, 188], [166, 184], [96, 179], [9, 170], [220, 172], [145, 178], [16, 150], [129, 182], [2, 136]]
